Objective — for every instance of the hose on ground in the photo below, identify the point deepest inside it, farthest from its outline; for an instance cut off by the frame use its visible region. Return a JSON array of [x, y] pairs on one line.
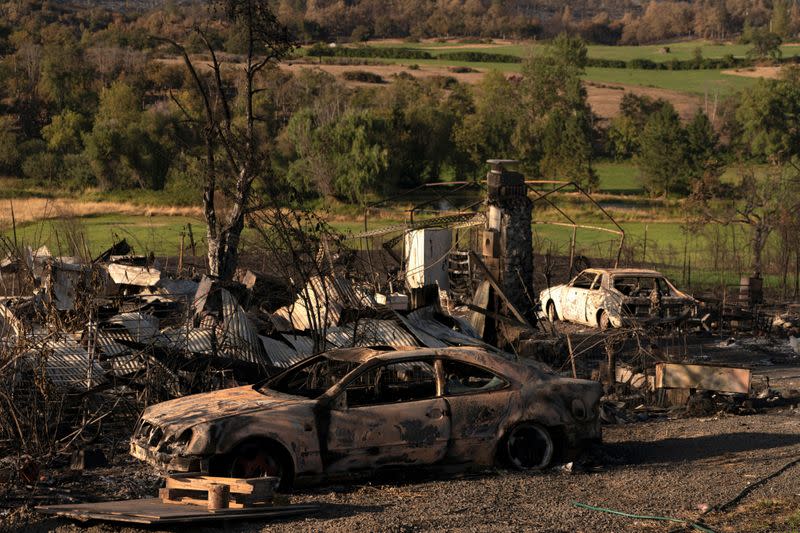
[[694, 525]]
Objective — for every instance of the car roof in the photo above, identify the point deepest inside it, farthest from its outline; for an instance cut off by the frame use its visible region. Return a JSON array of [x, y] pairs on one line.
[[625, 271], [362, 355], [471, 354]]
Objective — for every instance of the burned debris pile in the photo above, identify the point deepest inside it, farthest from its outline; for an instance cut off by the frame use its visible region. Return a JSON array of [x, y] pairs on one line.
[[87, 345]]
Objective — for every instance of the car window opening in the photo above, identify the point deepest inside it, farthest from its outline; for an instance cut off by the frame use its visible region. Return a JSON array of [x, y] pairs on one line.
[[640, 286], [312, 379], [393, 383], [461, 378], [584, 280]]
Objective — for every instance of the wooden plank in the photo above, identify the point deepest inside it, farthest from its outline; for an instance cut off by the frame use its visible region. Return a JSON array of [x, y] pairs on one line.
[[154, 511], [491, 279], [702, 377], [200, 497], [237, 485]]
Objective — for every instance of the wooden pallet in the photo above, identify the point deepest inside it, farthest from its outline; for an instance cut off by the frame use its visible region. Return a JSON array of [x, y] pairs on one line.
[[217, 493]]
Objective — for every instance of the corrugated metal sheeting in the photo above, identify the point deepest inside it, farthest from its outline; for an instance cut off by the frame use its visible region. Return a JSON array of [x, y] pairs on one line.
[[66, 363], [239, 339], [424, 322], [141, 326], [279, 353]]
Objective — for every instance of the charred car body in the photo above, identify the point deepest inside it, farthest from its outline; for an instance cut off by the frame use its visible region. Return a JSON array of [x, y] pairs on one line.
[[361, 409], [616, 297]]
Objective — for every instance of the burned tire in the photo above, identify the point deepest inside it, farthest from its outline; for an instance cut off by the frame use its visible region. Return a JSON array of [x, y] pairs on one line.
[[603, 321], [529, 446], [259, 459], [552, 315]]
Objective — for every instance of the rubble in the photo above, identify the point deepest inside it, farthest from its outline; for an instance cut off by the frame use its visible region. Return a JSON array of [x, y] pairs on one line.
[[87, 344]]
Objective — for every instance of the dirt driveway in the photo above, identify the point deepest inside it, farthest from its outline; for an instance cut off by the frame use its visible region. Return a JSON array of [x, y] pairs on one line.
[[671, 468]]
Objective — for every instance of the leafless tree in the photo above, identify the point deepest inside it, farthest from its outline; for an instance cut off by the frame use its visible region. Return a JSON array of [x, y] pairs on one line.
[[236, 152], [759, 202]]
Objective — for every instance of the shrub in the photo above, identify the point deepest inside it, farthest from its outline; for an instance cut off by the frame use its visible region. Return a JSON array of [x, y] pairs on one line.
[[43, 167], [319, 50], [479, 57], [363, 76], [605, 63], [462, 70], [644, 64]]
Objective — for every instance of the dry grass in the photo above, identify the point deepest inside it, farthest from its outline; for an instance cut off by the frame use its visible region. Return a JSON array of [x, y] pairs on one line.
[[33, 209], [605, 98], [755, 72], [387, 71]]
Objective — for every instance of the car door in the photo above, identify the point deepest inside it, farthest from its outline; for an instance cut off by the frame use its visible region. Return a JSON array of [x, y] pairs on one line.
[[595, 298], [478, 402], [573, 305], [389, 415]]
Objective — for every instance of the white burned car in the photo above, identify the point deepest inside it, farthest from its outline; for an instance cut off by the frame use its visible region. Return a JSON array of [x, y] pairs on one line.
[[606, 297]]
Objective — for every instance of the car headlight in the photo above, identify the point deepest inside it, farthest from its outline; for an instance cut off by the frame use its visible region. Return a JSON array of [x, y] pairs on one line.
[[579, 410], [184, 438]]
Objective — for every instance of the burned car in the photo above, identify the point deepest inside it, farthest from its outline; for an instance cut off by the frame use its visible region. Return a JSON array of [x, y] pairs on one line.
[[362, 409], [615, 297]]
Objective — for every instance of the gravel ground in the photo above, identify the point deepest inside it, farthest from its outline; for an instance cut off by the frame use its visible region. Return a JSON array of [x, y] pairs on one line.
[[670, 468]]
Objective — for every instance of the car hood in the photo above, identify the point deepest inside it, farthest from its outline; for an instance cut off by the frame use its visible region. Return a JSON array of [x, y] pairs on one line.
[[554, 288], [553, 292], [198, 408]]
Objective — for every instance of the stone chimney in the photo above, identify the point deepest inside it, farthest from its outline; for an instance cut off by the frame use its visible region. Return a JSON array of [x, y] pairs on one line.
[[507, 240]]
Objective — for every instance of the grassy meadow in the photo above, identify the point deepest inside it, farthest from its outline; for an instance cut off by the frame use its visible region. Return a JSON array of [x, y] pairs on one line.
[[655, 52], [697, 82]]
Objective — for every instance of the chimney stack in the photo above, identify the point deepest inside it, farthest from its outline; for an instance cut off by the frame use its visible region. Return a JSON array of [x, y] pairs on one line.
[[507, 244]]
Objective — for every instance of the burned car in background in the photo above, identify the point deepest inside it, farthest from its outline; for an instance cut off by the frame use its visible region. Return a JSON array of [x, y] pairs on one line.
[[614, 297], [361, 409]]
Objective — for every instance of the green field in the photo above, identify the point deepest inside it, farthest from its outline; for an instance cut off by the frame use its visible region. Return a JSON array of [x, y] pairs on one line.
[[701, 82], [665, 241], [678, 50], [620, 177], [159, 234]]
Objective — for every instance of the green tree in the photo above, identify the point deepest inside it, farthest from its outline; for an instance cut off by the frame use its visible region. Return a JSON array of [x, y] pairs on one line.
[[126, 146], [419, 125], [768, 116], [567, 150], [553, 96], [626, 128], [63, 134], [766, 45], [66, 77], [623, 137], [342, 158], [662, 159], [43, 167], [9, 150], [702, 148], [488, 132], [779, 23]]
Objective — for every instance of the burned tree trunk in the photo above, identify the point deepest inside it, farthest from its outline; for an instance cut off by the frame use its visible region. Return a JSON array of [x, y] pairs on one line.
[[236, 152]]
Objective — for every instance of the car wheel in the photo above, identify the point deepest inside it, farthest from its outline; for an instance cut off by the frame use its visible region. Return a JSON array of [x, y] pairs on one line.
[[551, 311], [529, 446], [603, 321], [254, 460]]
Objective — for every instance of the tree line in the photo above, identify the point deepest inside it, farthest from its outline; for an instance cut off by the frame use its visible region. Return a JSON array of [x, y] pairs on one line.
[[77, 111], [76, 114]]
